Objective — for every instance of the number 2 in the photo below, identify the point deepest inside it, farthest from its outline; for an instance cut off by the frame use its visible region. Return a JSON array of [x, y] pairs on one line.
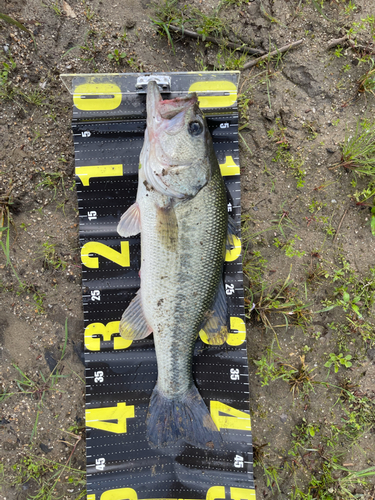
[[121, 258]]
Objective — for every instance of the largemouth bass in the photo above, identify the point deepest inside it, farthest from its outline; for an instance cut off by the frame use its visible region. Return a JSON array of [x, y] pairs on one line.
[[181, 214]]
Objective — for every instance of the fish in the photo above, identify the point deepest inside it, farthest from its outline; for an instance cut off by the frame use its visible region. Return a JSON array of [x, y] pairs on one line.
[[181, 213]]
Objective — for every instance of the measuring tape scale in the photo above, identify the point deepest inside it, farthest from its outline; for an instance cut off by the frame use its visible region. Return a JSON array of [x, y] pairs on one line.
[[214, 493], [121, 374]]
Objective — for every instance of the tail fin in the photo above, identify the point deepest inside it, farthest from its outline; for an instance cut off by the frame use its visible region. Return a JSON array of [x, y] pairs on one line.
[[169, 420]]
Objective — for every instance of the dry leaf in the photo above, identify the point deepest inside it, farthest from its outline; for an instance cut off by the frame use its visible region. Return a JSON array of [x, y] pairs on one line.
[[68, 10]]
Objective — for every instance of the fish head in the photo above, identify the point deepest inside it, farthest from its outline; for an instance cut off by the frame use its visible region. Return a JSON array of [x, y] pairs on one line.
[[179, 144]]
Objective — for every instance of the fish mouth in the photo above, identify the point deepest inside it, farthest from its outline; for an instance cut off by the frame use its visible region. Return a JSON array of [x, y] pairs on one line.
[[158, 109]]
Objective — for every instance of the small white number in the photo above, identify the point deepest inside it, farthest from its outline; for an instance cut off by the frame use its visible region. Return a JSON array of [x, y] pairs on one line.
[[238, 461], [229, 289], [235, 374], [95, 294], [92, 215], [98, 377], [224, 125], [86, 133], [100, 463]]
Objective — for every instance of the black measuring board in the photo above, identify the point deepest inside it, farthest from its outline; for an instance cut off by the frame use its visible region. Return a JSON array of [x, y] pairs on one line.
[[109, 120]]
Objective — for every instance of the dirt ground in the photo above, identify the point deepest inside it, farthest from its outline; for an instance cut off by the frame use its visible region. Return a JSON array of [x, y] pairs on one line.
[[308, 247]]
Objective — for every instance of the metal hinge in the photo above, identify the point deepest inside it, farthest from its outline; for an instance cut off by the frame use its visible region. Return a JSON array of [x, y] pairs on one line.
[[163, 81]]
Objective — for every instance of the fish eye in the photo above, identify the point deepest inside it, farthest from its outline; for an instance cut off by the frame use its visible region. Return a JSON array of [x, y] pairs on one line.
[[195, 128]]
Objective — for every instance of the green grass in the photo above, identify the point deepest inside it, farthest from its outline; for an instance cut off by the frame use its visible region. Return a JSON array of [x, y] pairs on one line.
[[37, 387], [44, 476], [51, 180], [358, 150], [51, 259]]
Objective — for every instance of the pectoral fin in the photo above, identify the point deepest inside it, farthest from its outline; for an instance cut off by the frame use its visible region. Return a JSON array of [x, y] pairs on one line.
[[133, 324], [130, 223], [216, 319]]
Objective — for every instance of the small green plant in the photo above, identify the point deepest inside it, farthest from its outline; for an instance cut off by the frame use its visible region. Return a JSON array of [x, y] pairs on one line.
[[254, 267], [7, 67], [283, 154], [351, 7], [116, 56], [338, 360], [363, 197], [7, 91], [338, 51], [300, 378], [288, 247], [39, 302], [312, 130], [358, 150], [6, 251], [52, 180], [230, 59], [281, 300], [54, 5], [51, 259], [34, 97], [37, 135], [208, 25], [38, 386], [89, 12], [45, 475], [270, 369], [316, 206], [367, 82], [302, 435]]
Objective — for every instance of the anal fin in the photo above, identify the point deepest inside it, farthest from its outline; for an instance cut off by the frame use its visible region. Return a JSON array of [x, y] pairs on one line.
[[133, 324], [216, 318]]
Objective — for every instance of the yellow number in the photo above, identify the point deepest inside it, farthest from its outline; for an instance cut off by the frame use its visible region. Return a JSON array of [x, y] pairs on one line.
[[218, 493], [215, 101], [234, 253], [93, 344], [121, 258], [86, 173], [233, 339], [111, 96], [215, 493], [96, 418], [91, 497], [242, 494], [229, 167], [238, 338], [120, 494], [234, 419]]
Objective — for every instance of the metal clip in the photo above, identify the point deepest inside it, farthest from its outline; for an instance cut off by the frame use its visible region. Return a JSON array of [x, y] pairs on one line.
[[163, 81]]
